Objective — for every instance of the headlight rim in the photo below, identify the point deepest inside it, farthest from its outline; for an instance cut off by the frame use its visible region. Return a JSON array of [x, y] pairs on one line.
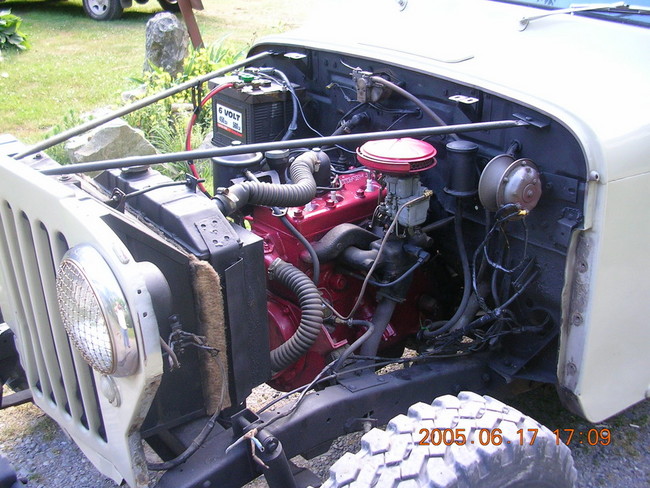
[[107, 292]]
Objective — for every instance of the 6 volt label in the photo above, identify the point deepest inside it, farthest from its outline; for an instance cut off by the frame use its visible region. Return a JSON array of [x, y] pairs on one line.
[[230, 120]]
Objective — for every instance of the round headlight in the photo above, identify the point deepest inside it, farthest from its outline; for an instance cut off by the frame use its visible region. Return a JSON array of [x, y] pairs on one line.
[[95, 312]]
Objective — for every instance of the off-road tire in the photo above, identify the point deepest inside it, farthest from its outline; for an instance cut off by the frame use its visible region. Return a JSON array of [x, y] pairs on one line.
[[394, 458], [170, 5], [103, 9]]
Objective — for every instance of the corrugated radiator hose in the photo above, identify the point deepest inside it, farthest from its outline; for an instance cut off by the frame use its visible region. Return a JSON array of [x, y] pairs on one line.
[[311, 319], [300, 192]]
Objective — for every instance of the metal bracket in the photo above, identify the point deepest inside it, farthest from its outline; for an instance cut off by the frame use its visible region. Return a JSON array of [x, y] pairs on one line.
[[217, 235], [15, 399], [117, 199], [570, 219], [192, 182], [358, 383], [535, 122]]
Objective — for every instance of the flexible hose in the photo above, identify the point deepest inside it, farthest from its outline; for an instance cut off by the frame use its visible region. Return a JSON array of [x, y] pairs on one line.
[[400, 278], [311, 319], [307, 245], [190, 125], [277, 211], [383, 314], [205, 431], [293, 125], [398, 89], [467, 278], [300, 192], [370, 327]]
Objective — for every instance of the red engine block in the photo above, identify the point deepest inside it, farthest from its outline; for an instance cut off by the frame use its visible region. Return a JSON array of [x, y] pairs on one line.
[[352, 203]]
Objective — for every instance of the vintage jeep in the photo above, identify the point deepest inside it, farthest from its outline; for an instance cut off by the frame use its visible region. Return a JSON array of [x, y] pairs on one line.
[[453, 179]]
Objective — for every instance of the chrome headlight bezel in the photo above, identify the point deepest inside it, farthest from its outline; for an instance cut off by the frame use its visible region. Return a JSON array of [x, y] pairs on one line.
[[95, 312]]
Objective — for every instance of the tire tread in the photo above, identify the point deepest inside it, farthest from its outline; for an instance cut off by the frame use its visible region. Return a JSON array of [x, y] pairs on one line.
[[393, 458]]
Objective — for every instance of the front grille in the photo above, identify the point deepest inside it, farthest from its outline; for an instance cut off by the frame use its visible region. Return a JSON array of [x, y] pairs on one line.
[[57, 374], [40, 220]]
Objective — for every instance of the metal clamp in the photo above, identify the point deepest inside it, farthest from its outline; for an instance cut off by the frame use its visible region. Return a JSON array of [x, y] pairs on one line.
[[254, 443]]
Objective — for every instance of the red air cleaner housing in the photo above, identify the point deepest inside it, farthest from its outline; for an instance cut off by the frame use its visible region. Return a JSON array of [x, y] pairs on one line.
[[397, 156]]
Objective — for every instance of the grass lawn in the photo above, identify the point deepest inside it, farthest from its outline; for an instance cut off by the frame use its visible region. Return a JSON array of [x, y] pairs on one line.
[[79, 64]]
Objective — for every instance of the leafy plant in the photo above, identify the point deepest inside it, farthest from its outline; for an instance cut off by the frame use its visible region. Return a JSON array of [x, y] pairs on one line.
[[10, 33], [58, 153], [164, 123]]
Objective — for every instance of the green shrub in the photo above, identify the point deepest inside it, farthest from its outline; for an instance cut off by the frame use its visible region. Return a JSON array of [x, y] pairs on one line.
[[58, 153], [10, 33], [162, 124]]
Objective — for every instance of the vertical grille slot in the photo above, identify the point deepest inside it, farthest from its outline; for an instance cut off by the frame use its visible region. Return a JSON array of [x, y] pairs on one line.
[[37, 373], [46, 268], [40, 325], [31, 253], [11, 282], [85, 392]]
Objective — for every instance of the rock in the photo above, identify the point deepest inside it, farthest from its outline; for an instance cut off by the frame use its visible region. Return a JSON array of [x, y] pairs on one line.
[[135, 94], [115, 139], [95, 113], [182, 108], [207, 142], [166, 42]]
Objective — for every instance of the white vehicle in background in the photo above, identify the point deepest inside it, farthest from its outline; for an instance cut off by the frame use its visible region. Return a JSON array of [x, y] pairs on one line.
[[462, 178]]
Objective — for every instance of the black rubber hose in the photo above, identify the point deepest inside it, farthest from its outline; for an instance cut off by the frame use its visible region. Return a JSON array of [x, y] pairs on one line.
[[467, 278], [293, 125], [311, 319], [301, 192], [370, 327], [307, 245], [397, 89], [339, 238], [383, 314], [400, 278]]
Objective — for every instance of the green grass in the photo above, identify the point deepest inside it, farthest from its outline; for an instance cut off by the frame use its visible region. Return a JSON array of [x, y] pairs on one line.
[[75, 64], [79, 64]]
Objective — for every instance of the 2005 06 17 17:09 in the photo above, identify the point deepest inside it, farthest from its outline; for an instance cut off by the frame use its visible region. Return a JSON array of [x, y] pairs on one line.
[[485, 437]]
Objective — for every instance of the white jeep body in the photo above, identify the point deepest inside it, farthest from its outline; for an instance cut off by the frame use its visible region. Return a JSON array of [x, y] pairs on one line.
[[586, 76]]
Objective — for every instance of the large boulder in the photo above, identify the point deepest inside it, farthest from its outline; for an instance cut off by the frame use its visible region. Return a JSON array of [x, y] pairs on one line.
[[166, 42], [115, 139]]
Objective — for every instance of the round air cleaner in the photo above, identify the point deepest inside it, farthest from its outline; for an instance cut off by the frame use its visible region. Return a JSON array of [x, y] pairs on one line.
[[397, 156]]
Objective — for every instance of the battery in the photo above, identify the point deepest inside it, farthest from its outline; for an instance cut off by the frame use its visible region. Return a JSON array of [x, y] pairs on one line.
[[252, 112]]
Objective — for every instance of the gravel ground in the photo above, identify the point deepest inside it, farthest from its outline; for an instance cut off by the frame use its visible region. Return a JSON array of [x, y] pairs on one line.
[[48, 459]]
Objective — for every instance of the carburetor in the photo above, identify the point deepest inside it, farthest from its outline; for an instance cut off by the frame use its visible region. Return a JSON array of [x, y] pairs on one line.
[[400, 160]]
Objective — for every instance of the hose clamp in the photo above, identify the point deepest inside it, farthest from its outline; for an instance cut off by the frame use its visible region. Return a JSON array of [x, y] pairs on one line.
[[279, 211], [273, 266]]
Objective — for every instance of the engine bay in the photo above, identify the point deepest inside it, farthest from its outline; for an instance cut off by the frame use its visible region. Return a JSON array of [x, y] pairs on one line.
[[448, 244], [382, 221]]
